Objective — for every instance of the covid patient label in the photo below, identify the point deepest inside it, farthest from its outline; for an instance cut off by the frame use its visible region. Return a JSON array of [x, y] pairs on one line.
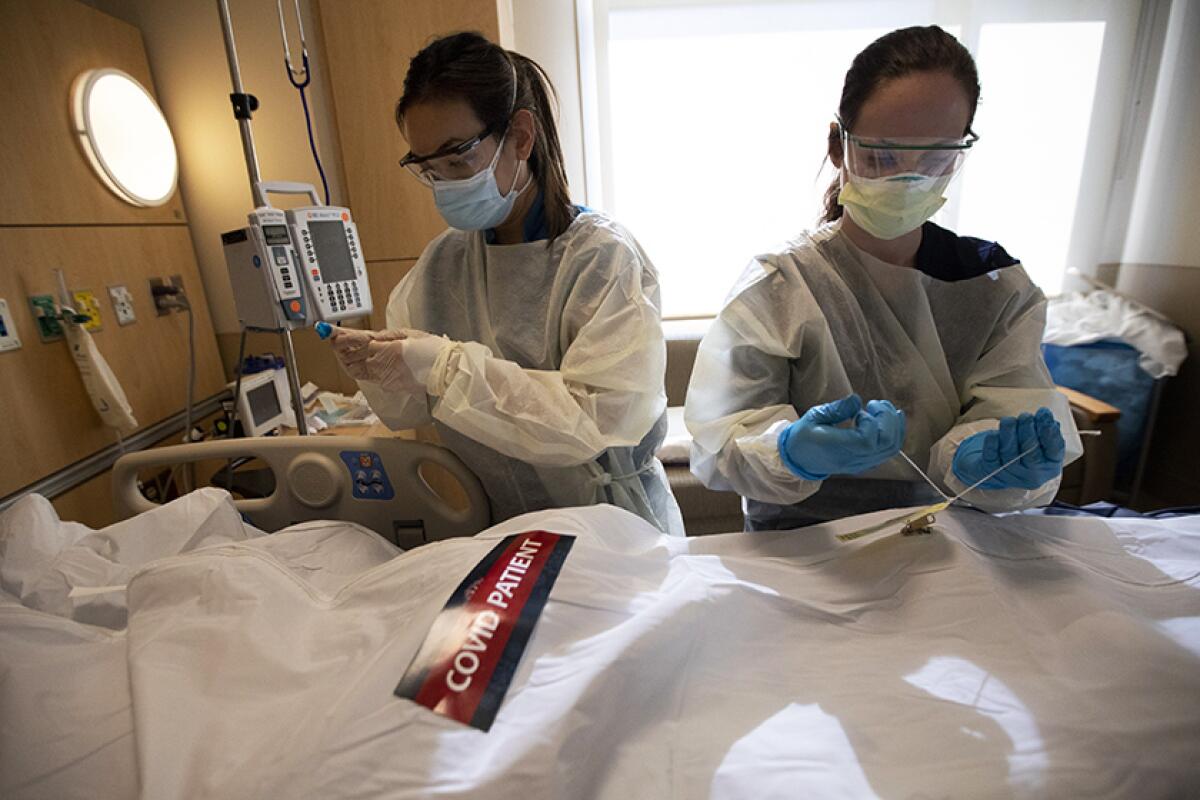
[[471, 652]]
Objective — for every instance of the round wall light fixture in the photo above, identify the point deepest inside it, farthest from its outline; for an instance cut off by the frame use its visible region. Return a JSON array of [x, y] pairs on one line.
[[125, 136]]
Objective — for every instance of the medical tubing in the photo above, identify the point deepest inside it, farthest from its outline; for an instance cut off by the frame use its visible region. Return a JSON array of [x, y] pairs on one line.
[[312, 142], [237, 390], [301, 85], [191, 385], [237, 386], [921, 472], [994, 472]]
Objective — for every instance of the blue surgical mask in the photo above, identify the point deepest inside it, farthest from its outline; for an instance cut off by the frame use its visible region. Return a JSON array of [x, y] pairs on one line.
[[475, 203]]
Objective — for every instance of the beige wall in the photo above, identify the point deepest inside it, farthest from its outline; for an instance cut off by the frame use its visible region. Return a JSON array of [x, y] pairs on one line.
[[545, 30]]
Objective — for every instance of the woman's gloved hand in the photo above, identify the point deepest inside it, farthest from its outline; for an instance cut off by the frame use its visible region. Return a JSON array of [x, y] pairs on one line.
[[402, 363], [817, 446], [350, 346], [985, 452], [397, 360]]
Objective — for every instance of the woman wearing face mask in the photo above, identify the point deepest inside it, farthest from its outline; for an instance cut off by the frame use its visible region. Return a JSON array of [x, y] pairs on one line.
[[881, 331], [529, 332]]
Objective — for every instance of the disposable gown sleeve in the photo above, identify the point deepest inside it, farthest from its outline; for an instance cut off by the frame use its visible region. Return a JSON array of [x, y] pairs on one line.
[[739, 398], [397, 411], [607, 392], [1008, 379]]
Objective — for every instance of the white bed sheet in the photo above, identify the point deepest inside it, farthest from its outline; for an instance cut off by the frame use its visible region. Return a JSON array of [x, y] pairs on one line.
[[1022, 656]]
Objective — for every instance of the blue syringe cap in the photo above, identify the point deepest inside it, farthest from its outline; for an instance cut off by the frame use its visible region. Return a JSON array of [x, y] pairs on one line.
[[324, 330]]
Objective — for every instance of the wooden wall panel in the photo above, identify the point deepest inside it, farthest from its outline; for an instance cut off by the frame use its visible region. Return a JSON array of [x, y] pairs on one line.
[[50, 421], [369, 44], [44, 46], [384, 277], [89, 503]]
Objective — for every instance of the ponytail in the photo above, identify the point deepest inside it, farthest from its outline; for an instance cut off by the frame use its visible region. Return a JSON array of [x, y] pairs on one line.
[[468, 66], [536, 92], [895, 55]]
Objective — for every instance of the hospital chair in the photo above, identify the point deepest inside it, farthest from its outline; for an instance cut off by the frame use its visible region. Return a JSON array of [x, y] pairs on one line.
[[1086, 480], [408, 492]]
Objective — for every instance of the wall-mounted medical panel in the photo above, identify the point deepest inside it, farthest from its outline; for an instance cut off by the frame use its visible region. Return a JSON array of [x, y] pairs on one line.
[[44, 47], [49, 421]]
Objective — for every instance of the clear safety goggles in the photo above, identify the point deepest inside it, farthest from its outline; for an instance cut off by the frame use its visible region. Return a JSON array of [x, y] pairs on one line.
[[453, 162], [880, 158]]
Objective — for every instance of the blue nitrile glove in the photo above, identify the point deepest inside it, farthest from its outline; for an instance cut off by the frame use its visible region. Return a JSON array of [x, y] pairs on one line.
[[815, 446], [984, 452]]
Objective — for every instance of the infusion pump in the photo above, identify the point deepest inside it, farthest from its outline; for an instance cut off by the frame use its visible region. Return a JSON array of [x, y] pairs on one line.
[[264, 273], [334, 269], [293, 269]]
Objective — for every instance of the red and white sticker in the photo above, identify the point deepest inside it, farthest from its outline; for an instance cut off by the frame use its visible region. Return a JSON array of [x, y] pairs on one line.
[[468, 659]]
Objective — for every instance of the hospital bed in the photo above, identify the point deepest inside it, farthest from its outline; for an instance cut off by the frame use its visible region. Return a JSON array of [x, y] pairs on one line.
[[184, 653], [408, 492]]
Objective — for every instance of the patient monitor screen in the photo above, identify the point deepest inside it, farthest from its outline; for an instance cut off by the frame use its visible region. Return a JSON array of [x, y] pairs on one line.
[[264, 403], [333, 251]]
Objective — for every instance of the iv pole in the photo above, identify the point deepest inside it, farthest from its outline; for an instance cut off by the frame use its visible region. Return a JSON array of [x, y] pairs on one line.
[[243, 105]]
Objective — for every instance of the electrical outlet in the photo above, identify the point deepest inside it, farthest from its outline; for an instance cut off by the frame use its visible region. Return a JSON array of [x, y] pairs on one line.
[[87, 305], [156, 285], [8, 331], [122, 302], [159, 309], [45, 313]]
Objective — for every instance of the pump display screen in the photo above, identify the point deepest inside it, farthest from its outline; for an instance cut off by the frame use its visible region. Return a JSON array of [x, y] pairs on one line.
[[332, 250], [276, 234], [264, 403]]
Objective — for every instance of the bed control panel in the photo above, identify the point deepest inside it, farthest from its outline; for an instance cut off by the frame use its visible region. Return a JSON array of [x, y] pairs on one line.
[[368, 477]]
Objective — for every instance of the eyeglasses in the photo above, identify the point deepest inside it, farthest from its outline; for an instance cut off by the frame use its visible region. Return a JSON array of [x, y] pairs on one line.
[[452, 162], [870, 157]]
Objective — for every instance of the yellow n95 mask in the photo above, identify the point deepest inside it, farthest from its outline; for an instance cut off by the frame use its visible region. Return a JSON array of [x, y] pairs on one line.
[[890, 207]]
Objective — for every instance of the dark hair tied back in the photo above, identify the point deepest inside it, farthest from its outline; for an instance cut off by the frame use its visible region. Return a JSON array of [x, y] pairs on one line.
[[469, 67], [895, 55]]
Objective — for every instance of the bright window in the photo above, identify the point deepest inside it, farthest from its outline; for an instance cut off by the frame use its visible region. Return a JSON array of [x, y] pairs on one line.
[[712, 125], [1021, 186]]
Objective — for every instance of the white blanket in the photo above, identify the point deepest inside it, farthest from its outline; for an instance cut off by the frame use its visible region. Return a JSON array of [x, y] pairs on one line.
[[1024, 656]]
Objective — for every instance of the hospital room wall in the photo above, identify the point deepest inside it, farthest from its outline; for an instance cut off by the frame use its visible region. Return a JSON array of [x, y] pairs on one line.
[[1160, 263], [355, 83], [356, 79], [56, 213], [545, 30], [186, 51], [369, 44]]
